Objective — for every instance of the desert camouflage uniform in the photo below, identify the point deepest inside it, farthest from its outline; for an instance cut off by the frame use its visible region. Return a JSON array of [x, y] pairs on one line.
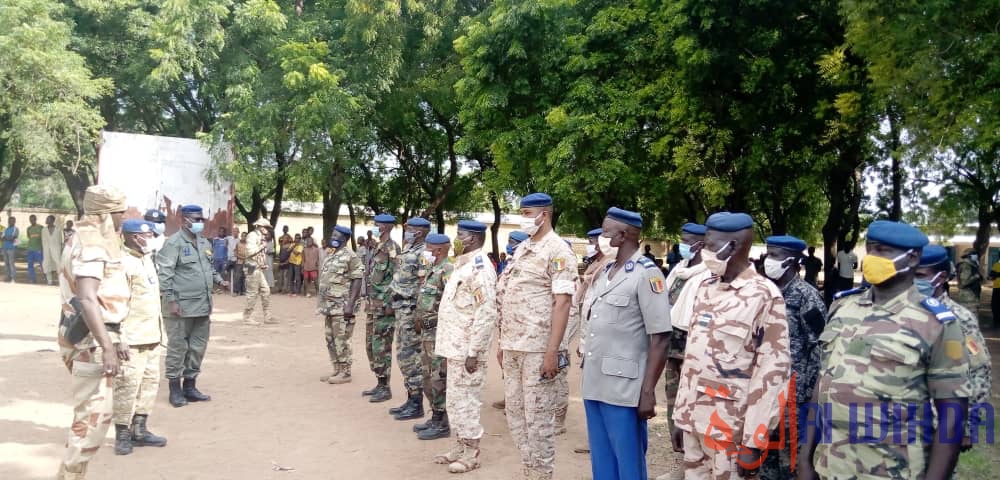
[[404, 287], [137, 384], [256, 280], [969, 285], [541, 269], [435, 368], [380, 326], [898, 352], [737, 361], [93, 252], [338, 271], [678, 278], [980, 365], [806, 319]]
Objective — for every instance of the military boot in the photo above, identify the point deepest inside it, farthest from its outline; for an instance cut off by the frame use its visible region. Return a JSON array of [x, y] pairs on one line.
[[455, 453], [343, 377], [142, 437], [176, 394], [191, 392], [67, 474], [440, 429], [334, 373], [413, 409], [371, 391], [435, 417], [382, 392], [123, 440], [395, 410], [469, 460]]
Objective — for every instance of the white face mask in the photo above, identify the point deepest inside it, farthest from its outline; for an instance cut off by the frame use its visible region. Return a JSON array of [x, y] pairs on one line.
[[529, 226], [429, 257], [774, 268], [712, 262], [155, 244], [604, 243], [591, 250]]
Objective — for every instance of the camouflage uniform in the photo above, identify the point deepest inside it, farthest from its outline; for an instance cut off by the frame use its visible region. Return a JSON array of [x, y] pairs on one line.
[[806, 319], [338, 271], [737, 361], [434, 367], [256, 280], [980, 365], [969, 285], [899, 352], [380, 326], [541, 269], [404, 287], [93, 252]]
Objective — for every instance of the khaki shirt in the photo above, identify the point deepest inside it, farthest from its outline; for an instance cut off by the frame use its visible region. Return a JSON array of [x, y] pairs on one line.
[[144, 323], [468, 309], [338, 271], [256, 255]]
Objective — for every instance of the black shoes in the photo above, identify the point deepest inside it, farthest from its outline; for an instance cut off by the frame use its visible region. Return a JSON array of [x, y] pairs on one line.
[[413, 408], [191, 392], [176, 393], [142, 437]]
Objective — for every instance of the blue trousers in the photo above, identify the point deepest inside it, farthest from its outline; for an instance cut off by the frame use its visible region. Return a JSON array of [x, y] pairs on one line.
[[34, 258], [618, 441]]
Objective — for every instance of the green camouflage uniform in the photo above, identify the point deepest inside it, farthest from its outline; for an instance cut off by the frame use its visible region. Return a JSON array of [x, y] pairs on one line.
[[970, 285], [379, 326], [405, 287], [980, 365], [434, 368], [338, 271]]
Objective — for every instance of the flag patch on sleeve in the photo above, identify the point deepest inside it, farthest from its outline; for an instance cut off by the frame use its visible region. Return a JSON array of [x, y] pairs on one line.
[[559, 264], [657, 284]]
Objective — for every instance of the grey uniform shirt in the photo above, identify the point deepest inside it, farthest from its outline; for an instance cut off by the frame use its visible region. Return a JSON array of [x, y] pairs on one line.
[[623, 313], [186, 274]]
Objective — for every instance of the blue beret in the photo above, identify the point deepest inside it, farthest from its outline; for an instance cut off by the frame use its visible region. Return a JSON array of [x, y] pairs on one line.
[[595, 232], [625, 216], [344, 230], [933, 255], [694, 228], [419, 222], [786, 241], [472, 226], [189, 209], [438, 239], [729, 222], [155, 216], [385, 218], [518, 236], [536, 200], [137, 225], [896, 234]]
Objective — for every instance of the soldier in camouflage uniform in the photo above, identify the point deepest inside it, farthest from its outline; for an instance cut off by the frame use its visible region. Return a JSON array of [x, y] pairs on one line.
[[806, 319], [970, 281], [340, 280], [381, 321], [254, 272], [405, 286], [890, 347], [436, 270], [142, 340]]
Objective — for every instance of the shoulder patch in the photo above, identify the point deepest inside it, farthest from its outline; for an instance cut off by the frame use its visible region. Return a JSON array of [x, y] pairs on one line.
[[559, 264], [479, 261], [847, 293], [656, 283], [629, 266], [646, 262], [943, 313]]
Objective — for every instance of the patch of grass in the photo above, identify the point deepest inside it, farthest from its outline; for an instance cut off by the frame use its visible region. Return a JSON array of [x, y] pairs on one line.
[[983, 461]]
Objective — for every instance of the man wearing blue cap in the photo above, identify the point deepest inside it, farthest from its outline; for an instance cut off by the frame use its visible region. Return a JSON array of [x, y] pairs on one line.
[[381, 320], [514, 239], [437, 269], [806, 319], [140, 345], [932, 281], [186, 278], [340, 280], [737, 359], [894, 348], [534, 311], [405, 286], [627, 334], [159, 221]]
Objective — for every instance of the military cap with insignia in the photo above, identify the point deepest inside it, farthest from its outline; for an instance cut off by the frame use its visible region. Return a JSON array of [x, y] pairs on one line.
[[385, 218], [438, 239], [933, 255], [694, 228], [419, 222], [472, 226], [137, 225], [625, 216], [896, 234], [344, 230], [729, 222], [536, 200], [787, 242], [191, 209], [155, 216]]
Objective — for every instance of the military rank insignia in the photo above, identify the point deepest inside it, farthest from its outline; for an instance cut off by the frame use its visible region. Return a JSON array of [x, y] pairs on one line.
[[629, 266], [559, 264], [656, 284], [972, 345], [953, 348], [479, 261], [478, 294]]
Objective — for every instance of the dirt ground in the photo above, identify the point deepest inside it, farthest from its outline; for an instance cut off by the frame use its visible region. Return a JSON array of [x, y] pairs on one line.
[[268, 408]]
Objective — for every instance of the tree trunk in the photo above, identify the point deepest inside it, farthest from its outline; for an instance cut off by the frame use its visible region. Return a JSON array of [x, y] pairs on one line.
[[78, 178], [896, 172], [333, 196], [12, 177], [439, 213], [354, 222], [495, 228], [982, 242], [843, 190]]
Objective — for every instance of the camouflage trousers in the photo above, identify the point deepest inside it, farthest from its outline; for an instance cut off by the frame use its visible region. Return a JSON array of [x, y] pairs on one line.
[[970, 300], [465, 399], [702, 462], [378, 339], [531, 403], [93, 407], [257, 287], [562, 397], [435, 374], [338, 338], [137, 383], [187, 341], [408, 351]]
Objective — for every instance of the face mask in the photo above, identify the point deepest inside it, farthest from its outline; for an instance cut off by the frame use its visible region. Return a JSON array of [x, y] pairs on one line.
[[409, 236], [459, 246], [926, 287], [155, 244], [685, 251], [428, 256], [591, 250], [528, 225], [376, 233], [197, 227], [974, 257], [604, 244], [878, 270], [335, 243], [774, 269], [159, 228], [712, 262], [510, 250]]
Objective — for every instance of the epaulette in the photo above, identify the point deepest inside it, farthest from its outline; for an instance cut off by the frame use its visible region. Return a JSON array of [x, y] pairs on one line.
[[943, 313], [847, 293], [645, 262], [479, 261]]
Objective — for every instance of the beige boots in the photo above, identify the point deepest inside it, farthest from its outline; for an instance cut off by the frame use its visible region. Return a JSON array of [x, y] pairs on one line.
[[341, 374], [462, 458]]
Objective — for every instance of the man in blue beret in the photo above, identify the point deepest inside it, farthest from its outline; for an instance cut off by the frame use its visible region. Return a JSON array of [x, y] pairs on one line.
[[339, 289], [381, 322], [806, 319], [514, 239], [437, 269], [186, 277], [891, 347], [141, 340], [405, 286], [737, 361]]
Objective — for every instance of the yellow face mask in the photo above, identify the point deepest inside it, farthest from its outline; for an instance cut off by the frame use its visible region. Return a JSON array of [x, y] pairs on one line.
[[878, 270], [458, 246]]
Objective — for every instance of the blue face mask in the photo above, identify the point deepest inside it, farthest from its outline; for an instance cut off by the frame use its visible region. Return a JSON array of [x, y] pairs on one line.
[[376, 233], [335, 243], [197, 227], [510, 249], [926, 287], [685, 251], [409, 236]]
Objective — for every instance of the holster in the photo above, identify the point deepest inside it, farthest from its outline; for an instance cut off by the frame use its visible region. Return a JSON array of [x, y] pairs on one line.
[[75, 328]]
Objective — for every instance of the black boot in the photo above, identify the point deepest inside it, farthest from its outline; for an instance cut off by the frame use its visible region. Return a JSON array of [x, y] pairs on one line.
[[176, 394], [396, 410], [191, 392], [371, 391], [440, 429], [435, 417], [142, 437], [413, 409], [382, 392], [123, 440]]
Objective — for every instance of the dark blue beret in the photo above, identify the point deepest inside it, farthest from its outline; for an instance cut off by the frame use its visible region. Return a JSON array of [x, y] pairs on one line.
[[344, 230], [518, 236], [155, 216], [137, 225], [786, 241], [189, 209], [419, 222], [625, 216], [694, 228], [896, 234], [595, 232], [729, 222], [385, 218], [438, 239], [933, 255], [472, 226], [536, 200]]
